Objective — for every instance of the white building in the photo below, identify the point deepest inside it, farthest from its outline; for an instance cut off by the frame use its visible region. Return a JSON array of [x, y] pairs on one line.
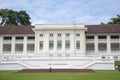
[[75, 46]]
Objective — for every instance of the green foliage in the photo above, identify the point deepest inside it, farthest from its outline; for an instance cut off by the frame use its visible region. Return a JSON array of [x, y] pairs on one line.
[[97, 75], [115, 20], [10, 17], [117, 63]]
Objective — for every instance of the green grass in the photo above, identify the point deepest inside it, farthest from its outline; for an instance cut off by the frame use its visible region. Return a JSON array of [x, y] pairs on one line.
[[97, 75]]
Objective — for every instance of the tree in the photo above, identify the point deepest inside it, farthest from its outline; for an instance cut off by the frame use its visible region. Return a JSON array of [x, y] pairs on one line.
[[115, 20], [10, 17]]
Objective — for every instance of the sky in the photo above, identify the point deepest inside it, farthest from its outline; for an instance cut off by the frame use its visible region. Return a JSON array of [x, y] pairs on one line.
[[66, 11]]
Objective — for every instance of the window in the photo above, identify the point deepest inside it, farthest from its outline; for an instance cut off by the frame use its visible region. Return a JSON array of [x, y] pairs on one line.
[[30, 37], [115, 37], [115, 47], [51, 44], [51, 35], [19, 38], [67, 34], [18, 48], [41, 44], [102, 46], [59, 35], [103, 57], [77, 44], [102, 37], [89, 37], [90, 46], [59, 44], [6, 47], [77, 34], [30, 47], [41, 35], [7, 38], [67, 44], [116, 58]]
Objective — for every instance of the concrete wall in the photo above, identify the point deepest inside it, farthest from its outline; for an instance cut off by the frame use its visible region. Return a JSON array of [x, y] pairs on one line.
[[11, 66], [102, 66], [58, 63]]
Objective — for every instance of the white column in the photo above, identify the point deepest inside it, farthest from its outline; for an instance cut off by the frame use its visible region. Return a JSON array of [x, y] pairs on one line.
[[13, 45], [72, 42], [96, 44], [63, 41], [1, 45], [25, 45], [46, 42], [108, 45], [55, 42], [36, 42], [82, 42]]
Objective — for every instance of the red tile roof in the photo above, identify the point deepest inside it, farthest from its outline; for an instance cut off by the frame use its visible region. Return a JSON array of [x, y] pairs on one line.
[[16, 30], [106, 28]]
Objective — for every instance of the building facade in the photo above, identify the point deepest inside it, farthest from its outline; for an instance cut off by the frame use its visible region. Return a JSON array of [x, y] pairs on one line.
[[75, 46]]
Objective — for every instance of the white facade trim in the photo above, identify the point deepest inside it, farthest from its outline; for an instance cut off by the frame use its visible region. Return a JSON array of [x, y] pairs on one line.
[[73, 57]]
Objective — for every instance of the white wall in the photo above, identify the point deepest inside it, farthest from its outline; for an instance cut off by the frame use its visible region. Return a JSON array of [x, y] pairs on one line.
[[103, 66], [107, 41], [11, 66], [13, 42], [58, 63], [63, 29]]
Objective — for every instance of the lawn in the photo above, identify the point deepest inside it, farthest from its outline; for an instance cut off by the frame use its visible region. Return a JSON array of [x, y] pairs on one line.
[[97, 75]]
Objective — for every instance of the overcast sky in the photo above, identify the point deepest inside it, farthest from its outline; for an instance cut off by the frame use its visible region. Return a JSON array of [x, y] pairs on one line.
[[66, 11]]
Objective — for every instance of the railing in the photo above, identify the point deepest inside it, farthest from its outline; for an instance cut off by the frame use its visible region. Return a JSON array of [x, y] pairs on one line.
[[114, 39], [18, 52], [90, 40], [90, 51], [102, 51], [115, 51], [31, 40], [102, 39], [19, 40], [6, 52], [32, 58], [30, 51], [7, 41], [16, 58]]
